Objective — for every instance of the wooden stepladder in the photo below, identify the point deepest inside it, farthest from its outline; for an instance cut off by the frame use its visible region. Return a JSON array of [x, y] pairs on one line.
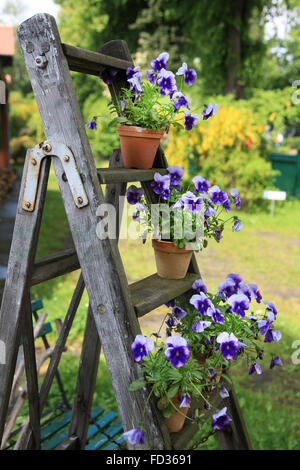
[[112, 320]]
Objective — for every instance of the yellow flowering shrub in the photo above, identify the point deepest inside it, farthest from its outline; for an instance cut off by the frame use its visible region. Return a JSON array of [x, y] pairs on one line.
[[225, 149]]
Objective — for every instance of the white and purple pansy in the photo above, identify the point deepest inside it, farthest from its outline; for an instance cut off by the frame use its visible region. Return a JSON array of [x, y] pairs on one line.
[[177, 351], [190, 120], [235, 194], [271, 308], [189, 75], [200, 184], [160, 62], [141, 347], [134, 436], [167, 82], [134, 194], [184, 401], [200, 326], [201, 303], [160, 183], [237, 225], [255, 294], [223, 392], [236, 278], [255, 367], [217, 196], [272, 336], [229, 345], [151, 76], [199, 286], [135, 83], [209, 110], [238, 304], [176, 173], [220, 420], [130, 72], [179, 101], [227, 288], [275, 361], [244, 289], [191, 202], [179, 313], [92, 124]]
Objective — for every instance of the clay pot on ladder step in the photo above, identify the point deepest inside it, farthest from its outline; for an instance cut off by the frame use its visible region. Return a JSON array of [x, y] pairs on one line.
[[172, 262]]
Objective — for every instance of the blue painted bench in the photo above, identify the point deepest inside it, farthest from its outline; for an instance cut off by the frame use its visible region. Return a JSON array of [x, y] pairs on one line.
[[105, 430]]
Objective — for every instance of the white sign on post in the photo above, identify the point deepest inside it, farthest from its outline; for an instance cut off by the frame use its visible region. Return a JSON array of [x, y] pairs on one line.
[[274, 196]]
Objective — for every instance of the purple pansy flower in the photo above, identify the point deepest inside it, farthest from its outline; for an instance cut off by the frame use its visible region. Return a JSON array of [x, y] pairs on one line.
[[177, 351], [190, 120], [189, 75], [271, 308], [135, 83], [134, 194], [200, 326], [244, 289], [167, 82], [165, 194], [135, 216], [220, 420], [179, 101], [201, 303], [217, 196], [237, 225], [264, 326], [255, 367], [178, 312], [275, 361], [160, 62], [209, 212], [200, 184], [107, 75], [255, 294], [226, 289], [272, 336], [239, 303], [170, 303], [235, 194], [92, 124], [151, 76], [161, 183], [184, 402], [130, 72], [209, 111], [236, 278], [226, 206], [199, 286], [223, 392], [175, 173], [141, 347], [134, 436], [229, 345], [192, 202], [216, 316], [171, 322]]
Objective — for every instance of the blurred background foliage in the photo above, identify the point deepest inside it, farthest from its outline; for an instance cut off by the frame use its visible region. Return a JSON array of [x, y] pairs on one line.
[[244, 66]]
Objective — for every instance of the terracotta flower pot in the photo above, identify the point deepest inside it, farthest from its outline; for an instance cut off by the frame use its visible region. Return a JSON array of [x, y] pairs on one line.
[[138, 146], [171, 262], [176, 421]]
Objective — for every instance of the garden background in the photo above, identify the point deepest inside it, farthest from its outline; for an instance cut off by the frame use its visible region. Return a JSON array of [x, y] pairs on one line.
[[247, 57]]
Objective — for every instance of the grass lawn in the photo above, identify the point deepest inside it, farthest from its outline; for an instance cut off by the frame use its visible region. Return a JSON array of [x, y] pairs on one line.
[[265, 252]]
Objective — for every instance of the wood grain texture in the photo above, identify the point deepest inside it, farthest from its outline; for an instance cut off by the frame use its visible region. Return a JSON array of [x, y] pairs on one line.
[[122, 175], [22, 254], [100, 261], [55, 265]]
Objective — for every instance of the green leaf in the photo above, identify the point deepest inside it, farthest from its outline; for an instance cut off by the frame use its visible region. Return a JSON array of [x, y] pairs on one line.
[[136, 385], [172, 391], [167, 412]]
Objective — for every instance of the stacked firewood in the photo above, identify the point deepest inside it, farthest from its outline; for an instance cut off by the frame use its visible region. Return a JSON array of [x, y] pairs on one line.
[[7, 179]]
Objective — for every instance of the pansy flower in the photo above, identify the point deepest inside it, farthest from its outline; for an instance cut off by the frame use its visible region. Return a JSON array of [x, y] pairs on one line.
[[229, 345], [236, 278], [227, 288], [130, 72], [199, 286], [220, 420], [170, 303], [209, 212], [271, 308], [151, 76], [189, 75], [171, 321], [255, 294], [201, 303], [134, 194], [235, 194], [227, 206], [216, 316], [255, 367], [275, 361], [200, 184], [223, 392], [190, 120], [192, 202], [167, 82], [184, 401], [179, 101], [176, 173], [239, 303], [209, 111], [92, 124], [264, 326], [178, 312], [237, 225], [217, 196], [161, 183], [177, 351], [272, 336], [244, 289], [141, 347], [135, 83], [107, 75], [134, 436], [200, 326], [160, 62]]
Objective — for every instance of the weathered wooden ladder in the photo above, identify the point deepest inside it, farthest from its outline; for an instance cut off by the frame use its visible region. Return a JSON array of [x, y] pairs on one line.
[[114, 306]]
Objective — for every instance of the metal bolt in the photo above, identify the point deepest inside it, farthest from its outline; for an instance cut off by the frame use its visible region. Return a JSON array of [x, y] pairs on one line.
[[33, 162], [41, 61], [79, 200], [38, 60], [28, 205], [66, 158], [46, 147]]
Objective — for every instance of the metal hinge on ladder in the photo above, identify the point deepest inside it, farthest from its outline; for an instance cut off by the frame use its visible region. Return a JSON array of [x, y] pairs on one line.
[[50, 148]]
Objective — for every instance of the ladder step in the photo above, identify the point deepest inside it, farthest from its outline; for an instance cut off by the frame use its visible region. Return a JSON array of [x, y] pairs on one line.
[[48, 267], [153, 291], [89, 62], [124, 175]]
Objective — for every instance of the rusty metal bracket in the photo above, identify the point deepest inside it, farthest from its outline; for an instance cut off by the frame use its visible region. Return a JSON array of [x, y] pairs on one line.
[[50, 148]]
